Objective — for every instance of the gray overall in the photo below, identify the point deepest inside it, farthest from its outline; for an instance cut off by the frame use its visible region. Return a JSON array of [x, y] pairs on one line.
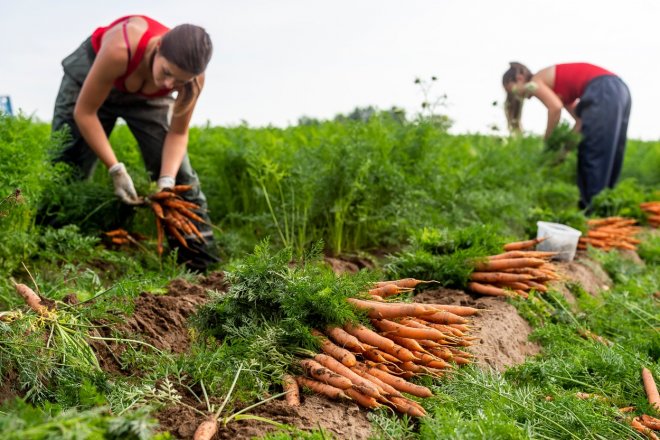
[[148, 120]]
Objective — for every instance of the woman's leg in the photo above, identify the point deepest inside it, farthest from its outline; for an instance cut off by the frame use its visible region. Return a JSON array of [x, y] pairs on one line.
[[602, 111]]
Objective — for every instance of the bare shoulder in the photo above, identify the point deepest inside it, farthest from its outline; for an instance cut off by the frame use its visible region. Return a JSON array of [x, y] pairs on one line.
[[114, 39], [545, 76]]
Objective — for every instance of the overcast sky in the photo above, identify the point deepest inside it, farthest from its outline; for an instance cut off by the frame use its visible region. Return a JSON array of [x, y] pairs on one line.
[[277, 60]]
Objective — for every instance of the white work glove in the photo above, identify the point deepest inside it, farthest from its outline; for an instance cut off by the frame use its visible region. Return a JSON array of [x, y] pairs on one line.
[[123, 183], [165, 182]]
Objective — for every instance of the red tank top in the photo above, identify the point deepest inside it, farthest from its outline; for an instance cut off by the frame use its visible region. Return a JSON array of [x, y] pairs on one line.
[[572, 78], [154, 29]]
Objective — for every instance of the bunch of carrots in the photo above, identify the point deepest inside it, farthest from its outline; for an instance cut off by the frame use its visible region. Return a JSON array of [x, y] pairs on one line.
[[611, 233], [372, 367], [516, 271], [175, 215], [653, 211]]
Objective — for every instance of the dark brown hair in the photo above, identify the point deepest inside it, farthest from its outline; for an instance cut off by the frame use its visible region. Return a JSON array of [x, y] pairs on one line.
[[189, 47], [514, 103]]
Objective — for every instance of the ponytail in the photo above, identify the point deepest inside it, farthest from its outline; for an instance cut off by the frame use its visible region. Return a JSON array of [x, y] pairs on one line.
[[514, 103]]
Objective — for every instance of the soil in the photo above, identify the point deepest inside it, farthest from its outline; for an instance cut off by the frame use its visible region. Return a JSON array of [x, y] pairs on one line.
[[342, 420], [584, 271], [503, 334]]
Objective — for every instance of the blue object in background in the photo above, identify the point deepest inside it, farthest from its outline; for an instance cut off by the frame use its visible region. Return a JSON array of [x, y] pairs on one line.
[[5, 105]]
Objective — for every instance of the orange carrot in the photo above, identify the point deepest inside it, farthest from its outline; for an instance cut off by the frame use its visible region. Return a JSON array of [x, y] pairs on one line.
[[388, 389], [321, 373], [507, 263], [358, 381], [379, 356], [456, 310], [519, 245], [639, 427], [498, 277], [321, 388], [206, 430], [176, 234], [411, 344], [31, 299], [400, 384], [388, 290], [160, 233], [444, 318], [188, 213], [181, 188], [117, 233], [120, 240], [344, 339], [651, 389], [410, 283], [372, 338], [157, 209], [378, 310], [162, 195], [361, 399], [485, 289], [650, 422], [341, 354], [291, 388], [522, 254], [393, 328], [406, 406]]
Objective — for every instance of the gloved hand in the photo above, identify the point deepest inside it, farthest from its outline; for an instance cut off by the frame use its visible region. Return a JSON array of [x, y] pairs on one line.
[[165, 182], [123, 183]]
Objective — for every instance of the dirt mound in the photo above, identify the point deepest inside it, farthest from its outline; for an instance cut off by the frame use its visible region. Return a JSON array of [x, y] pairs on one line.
[[343, 420], [161, 320], [503, 334], [583, 271]]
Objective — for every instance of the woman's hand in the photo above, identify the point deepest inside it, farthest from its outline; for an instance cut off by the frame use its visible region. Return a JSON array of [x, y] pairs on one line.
[[124, 188]]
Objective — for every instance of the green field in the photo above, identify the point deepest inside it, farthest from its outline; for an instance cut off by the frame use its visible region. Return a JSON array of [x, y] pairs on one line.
[[404, 196]]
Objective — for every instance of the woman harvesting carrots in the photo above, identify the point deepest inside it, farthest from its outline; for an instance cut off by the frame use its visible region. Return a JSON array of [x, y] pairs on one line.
[[597, 99], [130, 69]]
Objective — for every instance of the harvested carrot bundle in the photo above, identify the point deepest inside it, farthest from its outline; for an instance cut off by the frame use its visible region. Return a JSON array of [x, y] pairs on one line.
[[176, 216], [652, 209], [611, 233], [121, 237], [515, 272], [641, 428]]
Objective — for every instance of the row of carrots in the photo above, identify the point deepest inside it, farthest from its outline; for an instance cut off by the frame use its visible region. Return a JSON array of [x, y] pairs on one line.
[[515, 272], [653, 211], [372, 366], [611, 233]]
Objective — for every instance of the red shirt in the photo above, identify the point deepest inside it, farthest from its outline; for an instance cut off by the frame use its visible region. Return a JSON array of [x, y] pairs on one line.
[[154, 29], [572, 78]]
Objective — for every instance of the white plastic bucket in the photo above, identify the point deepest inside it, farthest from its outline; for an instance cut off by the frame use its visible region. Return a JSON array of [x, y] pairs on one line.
[[561, 238]]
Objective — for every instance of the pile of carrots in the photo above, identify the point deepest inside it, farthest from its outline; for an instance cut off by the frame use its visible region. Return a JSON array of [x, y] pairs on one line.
[[515, 272], [174, 214], [653, 211], [372, 367], [122, 237], [611, 233], [646, 424]]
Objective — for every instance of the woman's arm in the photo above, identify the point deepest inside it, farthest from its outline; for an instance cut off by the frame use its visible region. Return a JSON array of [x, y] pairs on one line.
[[552, 103], [110, 63], [176, 141], [571, 108]]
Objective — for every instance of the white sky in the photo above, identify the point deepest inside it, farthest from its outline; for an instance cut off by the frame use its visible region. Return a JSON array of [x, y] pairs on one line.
[[277, 60]]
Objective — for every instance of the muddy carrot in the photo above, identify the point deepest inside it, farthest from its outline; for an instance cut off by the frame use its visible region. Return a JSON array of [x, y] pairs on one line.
[[291, 388], [181, 188], [406, 406], [162, 195], [650, 422], [321, 388], [157, 209], [117, 233], [323, 374], [160, 234], [341, 354], [188, 213], [120, 240], [344, 339], [206, 430], [388, 389], [639, 427], [176, 234], [31, 299], [362, 399], [651, 388]]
